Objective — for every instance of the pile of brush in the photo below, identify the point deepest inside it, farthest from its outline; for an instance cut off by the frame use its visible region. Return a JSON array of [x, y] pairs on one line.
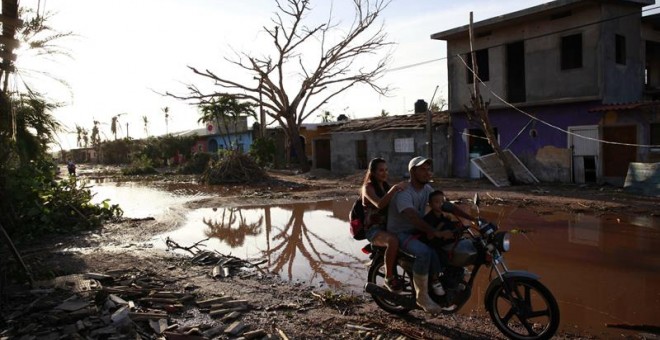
[[233, 167]]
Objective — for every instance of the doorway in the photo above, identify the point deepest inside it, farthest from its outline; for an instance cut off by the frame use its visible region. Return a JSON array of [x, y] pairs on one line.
[[322, 153], [616, 158], [586, 154]]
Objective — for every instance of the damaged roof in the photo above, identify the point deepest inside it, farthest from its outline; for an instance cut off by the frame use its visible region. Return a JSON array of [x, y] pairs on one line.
[[625, 106], [415, 121]]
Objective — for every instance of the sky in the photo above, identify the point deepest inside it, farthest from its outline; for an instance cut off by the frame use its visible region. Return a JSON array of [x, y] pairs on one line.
[[126, 53]]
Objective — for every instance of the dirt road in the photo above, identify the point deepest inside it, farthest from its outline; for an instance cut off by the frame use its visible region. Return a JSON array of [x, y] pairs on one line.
[[276, 307]]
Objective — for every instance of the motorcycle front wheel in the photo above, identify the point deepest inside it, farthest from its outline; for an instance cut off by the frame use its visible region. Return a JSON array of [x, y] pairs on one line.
[[376, 276], [528, 312]]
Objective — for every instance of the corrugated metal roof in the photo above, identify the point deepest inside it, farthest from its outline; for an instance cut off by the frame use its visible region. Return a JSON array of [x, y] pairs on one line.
[[415, 121], [623, 106]]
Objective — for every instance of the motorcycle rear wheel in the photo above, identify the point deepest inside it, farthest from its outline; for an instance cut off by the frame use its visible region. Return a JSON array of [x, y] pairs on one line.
[[376, 276], [529, 313]]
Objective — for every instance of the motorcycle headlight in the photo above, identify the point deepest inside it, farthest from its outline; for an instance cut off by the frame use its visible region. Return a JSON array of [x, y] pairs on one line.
[[502, 241], [486, 228]]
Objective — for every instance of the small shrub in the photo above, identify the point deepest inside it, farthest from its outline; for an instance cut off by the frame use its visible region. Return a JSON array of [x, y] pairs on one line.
[[199, 163], [233, 167], [40, 205], [140, 166], [263, 151]]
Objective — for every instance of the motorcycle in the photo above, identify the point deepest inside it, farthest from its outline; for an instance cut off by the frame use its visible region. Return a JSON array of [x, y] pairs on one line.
[[519, 305]]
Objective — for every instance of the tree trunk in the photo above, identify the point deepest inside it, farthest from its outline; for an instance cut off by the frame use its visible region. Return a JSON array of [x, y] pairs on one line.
[[490, 134], [297, 146]]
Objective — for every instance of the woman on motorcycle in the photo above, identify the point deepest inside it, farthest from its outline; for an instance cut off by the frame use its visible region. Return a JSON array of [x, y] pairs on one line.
[[376, 195]]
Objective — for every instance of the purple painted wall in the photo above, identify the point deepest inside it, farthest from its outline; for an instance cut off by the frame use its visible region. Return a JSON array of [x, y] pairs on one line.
[[509, 122]]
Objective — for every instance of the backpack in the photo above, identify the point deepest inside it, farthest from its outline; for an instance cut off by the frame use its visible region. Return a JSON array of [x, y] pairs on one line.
[[356, 218]]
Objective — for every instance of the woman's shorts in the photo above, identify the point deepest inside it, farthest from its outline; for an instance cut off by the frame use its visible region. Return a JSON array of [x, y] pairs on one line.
[[373, 230]]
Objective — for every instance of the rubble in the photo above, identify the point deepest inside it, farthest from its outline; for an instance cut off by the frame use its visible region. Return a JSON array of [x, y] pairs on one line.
[[128, 305]]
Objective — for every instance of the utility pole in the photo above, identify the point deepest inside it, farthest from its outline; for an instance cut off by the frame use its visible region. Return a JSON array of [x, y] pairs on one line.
[[429, 126], [480, 110], [262, 114]]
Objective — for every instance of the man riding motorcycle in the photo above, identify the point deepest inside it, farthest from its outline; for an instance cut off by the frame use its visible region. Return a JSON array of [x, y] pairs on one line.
[[405, 220]]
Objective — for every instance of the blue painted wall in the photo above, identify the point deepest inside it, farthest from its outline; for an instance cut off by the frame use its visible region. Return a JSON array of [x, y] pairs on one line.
[[244, 139], [510, 122]]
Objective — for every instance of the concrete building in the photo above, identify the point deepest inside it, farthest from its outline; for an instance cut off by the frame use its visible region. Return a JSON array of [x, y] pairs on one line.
[[397, 139], [216, 136], [553, 73]]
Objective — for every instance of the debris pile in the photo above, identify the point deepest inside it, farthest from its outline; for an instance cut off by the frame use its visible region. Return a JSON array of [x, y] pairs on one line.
[[123, 304], [234, 167]]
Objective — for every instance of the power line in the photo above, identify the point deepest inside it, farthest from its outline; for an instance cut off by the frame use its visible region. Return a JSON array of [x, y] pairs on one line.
[[544, 122], [529, 38]]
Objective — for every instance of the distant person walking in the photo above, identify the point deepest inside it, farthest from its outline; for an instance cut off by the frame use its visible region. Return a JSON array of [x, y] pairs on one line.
[[71, 166]]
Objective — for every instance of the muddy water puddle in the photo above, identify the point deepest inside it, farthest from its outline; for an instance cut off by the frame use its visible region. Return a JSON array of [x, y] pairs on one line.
[[602, 269]]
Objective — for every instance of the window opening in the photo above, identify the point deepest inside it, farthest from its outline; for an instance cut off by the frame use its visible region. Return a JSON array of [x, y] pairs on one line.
[[482, 65], [620, 49], [571, 52]]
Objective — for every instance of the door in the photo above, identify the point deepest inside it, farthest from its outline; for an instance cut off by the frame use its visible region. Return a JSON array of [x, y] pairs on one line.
[[361, 154], [616, 158], [585, 152], [322, 148]]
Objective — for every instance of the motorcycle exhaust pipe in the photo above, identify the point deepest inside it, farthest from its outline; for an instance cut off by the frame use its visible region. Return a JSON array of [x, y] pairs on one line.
[[401, 300]]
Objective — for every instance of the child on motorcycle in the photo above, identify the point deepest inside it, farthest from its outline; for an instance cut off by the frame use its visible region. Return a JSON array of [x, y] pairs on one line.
[[437, 219]]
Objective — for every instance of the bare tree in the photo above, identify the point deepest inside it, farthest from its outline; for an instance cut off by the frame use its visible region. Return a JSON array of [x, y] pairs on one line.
[[478, 111], [340, 63]]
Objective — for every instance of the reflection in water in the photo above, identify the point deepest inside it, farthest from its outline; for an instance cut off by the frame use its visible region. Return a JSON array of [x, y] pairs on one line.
[[300, 241], [295, 237], [223, 230], [602, 269]]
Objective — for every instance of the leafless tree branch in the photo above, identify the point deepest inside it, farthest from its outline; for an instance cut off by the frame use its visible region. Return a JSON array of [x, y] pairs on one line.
[[339, 65]]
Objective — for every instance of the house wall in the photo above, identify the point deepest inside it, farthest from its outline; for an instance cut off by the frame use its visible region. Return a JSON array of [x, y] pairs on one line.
[[651, 37], [380, 143], [244, 138], [622, 83], [546, 154], [544, 80], [642, 119]]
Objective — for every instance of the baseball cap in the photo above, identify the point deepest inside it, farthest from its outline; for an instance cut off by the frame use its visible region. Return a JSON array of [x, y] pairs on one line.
[[417, 161]]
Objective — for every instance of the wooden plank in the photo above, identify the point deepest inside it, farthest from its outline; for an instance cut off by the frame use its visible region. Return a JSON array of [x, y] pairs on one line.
[[493, 169]]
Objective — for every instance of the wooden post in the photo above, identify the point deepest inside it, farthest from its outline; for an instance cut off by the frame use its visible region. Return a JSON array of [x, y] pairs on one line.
[[473, 57], [481, 111], [13, 249], [429, 126]]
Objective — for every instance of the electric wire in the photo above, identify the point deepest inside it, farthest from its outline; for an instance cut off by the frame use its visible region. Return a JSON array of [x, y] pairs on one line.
[[544, 122], [404, 67]]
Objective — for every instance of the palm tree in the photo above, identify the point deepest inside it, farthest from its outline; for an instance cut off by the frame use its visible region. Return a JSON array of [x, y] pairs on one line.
[[27, 115], [146, 125], [85, 137], [114, 124], [166, 110], [96, 137], [223, 111], [79, 132], [35, 127]]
